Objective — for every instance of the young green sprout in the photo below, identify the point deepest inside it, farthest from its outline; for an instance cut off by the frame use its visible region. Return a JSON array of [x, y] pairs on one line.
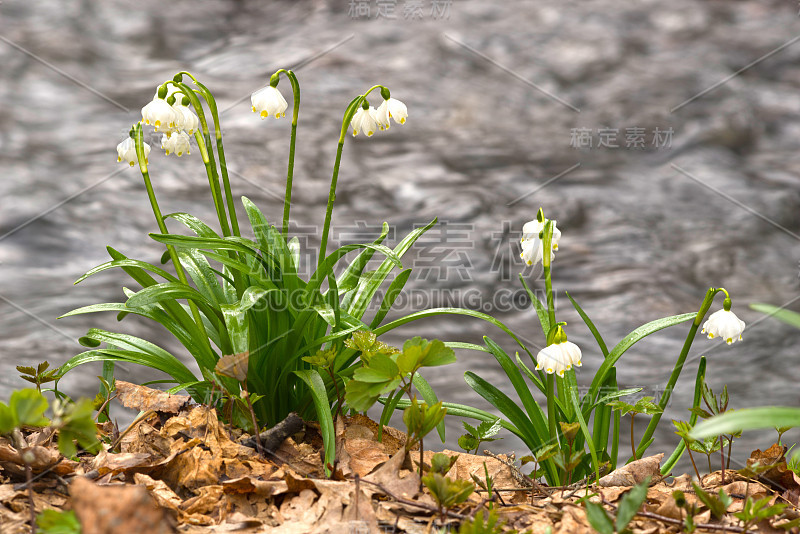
[[643, 406]]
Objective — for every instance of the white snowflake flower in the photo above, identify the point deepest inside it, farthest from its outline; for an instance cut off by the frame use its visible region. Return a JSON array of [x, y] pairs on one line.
[[559, 357], [161, 115], [725, 325], [126, 150], [364, 121], [268, 101], [176, 143]]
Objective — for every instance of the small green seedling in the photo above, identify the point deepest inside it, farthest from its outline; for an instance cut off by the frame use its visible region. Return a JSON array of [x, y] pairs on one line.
[[644, 406], [484, 433], [39, 375], [628, 506], [690, 510], [484, 525], [717, 504], [717, 405], [55, 522], [756, 511], [446, 492]]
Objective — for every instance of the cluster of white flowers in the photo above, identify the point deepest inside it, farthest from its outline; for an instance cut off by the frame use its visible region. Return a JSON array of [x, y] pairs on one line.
[[369, 120], [562, 355], [532, 244], [177, 122]]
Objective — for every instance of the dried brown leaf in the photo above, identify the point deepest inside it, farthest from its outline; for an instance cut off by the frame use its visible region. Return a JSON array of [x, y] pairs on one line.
[[634, 473], [143, 398]]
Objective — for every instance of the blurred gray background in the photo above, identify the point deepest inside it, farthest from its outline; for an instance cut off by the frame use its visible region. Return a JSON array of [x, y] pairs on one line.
[[503, 99]]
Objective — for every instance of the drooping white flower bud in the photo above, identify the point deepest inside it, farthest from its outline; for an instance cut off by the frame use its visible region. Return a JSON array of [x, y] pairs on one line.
[[268, 101], [161, 115], [126, 150], [364, 121]]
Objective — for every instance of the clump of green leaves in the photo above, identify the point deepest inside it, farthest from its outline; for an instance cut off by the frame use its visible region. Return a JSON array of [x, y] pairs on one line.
[[756, 511], [384, 370], [39, 375], [683, 428], [483, 433], [567, 460], [55, 522], [717, 504], [644, 406], [603, 523], [445, 491], [543, 454], [490, 524], [716, 405], [74, 422]]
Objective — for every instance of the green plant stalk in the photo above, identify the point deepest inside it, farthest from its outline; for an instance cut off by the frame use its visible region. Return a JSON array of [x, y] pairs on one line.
[[633, 449], [163, 227], [287, 199], [212, 164], [698, 393], [551, 409], [676, 371], [212, 105], [551, 314], [201, 144], [348, 116]]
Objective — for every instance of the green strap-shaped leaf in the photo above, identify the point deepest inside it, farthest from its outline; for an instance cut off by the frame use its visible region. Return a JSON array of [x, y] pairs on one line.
[[627, 342], [369, 285], [534, 411], [203, 276], [592, 328], [747, 419], [143, 265], [534, 436], [193, 223], [541, 310], [317, 387], [394, 290]]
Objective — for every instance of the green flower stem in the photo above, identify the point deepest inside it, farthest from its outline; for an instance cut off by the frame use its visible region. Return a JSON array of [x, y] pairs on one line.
[[163, 227], [212, 105], [211, 166], [676, 371], [551, 410], [348, 116], [287, 199], [201, 144], [547, 247]]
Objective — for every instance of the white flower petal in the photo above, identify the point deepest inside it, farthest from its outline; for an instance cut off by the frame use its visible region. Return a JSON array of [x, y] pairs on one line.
[[268, 101], [161, 115], [126, 150], [397, 110], [382, 116], [725, 325], [559, 357], [364, 121], [532, 252]]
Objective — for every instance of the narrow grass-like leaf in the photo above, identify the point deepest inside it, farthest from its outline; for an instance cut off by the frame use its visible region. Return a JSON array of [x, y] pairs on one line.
[[747, 419], [592, 328], [627, 342], [317, 387]]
